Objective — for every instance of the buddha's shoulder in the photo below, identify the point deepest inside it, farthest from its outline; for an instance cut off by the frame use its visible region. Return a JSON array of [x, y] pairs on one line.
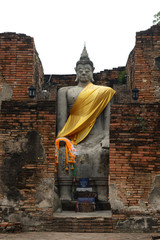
[[63, 90]]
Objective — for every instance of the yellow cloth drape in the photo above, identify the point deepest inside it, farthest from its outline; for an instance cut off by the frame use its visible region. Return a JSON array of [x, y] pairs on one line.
[[89, 104]]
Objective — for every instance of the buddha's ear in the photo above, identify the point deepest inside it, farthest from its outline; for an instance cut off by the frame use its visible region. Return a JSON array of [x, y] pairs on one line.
[[76, 80], [92, 80]]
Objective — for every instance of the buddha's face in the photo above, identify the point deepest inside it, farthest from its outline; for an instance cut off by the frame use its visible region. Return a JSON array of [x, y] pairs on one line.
[[84, 73]]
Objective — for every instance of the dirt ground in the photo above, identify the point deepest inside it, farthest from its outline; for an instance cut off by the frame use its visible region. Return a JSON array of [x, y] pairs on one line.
[[77, 236]]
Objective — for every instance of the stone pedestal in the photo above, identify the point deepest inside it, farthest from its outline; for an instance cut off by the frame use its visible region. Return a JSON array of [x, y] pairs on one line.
[[65, 188], [92, 165]]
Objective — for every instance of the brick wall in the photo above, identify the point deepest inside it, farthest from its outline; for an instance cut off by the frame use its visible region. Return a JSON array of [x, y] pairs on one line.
[[143, 66], [20, 66], [134, 155], [109, 78], [27, 133]]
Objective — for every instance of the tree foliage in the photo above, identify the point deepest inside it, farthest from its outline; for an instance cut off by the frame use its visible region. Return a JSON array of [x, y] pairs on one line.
[[156, 18], [122, 77]]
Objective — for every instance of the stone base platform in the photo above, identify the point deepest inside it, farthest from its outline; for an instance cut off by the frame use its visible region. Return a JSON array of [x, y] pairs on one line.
[[71, 206], [72, 214], [68, 221]]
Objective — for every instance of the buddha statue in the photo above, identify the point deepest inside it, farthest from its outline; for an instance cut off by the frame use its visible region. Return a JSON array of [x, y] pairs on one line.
[[84, 119]]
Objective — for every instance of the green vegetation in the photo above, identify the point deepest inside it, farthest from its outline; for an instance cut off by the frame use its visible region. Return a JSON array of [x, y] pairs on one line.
[[157, 18], [122, 77]]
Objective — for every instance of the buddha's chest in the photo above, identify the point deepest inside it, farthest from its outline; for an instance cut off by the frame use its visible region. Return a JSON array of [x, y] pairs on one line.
[[72, 95]]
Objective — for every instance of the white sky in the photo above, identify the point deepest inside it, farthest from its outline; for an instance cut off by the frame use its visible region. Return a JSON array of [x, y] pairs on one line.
[[60, 28]]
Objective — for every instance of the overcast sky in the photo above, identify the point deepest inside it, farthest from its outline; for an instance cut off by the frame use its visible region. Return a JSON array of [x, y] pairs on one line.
[[60, 28]]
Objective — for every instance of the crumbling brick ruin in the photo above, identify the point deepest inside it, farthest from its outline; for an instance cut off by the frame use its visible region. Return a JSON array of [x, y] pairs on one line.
[[28, 130]]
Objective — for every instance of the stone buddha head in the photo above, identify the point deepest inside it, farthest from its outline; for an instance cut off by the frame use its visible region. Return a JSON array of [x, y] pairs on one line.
[[84, 68]]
